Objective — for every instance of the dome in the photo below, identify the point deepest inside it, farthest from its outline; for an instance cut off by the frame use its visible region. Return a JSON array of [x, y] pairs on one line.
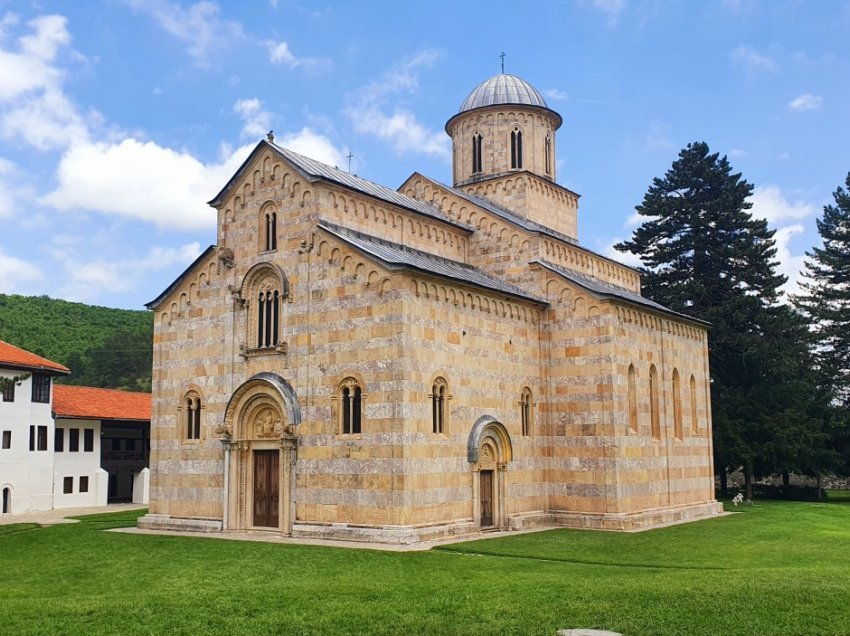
[[503, 89]]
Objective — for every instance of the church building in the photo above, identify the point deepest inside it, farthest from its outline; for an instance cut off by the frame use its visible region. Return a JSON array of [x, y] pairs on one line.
[[355, 362]]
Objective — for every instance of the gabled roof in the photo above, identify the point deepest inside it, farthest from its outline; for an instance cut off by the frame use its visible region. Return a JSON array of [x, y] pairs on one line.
[[518, 221], [77, 402], [394, 257], [313, 170], [16, 358], [604, 290], [179, 280]]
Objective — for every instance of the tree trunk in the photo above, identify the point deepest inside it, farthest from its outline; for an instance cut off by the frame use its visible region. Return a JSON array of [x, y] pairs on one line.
[[820, 496], [786, 480], [748, 483], [724, 484]]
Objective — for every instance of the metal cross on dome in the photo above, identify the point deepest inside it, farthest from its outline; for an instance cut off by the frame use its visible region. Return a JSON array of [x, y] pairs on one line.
[[502, 55]]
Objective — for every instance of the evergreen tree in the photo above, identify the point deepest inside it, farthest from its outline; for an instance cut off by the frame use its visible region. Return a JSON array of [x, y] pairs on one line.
[[706, 256], [826, 296]]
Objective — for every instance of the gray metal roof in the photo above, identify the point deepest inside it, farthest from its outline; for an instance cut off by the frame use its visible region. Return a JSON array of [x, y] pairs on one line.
[[503, 89], [395, 256], [604, 290], [320, 170], [316, 170]]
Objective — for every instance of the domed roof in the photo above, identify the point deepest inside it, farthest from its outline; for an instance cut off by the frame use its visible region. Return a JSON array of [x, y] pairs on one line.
[[503, 89]]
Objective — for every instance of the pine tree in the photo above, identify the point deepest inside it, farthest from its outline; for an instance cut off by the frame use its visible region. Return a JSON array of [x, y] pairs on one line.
[[706, 256], [826, 296]]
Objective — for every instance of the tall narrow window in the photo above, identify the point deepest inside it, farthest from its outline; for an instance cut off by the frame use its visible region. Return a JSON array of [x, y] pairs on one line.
[[677, 405], [477, 164], [271, 230], [351, 406], [268, 317], [58, 440], [633, 409], [547, 149], [32, 437], [42, 438], [525, 411], [7, 440], [654, 416], [84, 484], [73, 440], [68, 485], [40, 388], [516, 149], [88, 440], [694, 422], [439, 399], [192, 405], [9, 391]]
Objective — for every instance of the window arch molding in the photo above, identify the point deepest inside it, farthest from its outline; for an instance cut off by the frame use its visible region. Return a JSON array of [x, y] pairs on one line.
[[268, 227], [349, 401], [654, 403], [440, 398], [263, 290], [190, 420]]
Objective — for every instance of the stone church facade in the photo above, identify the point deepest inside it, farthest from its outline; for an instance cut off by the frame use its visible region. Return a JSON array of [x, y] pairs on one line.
[[355, 362]]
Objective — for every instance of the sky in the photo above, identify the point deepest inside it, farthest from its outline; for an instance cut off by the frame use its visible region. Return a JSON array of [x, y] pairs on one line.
[[119, 119]]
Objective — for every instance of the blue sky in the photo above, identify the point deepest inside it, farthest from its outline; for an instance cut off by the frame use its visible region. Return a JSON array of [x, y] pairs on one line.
[[119, 119]]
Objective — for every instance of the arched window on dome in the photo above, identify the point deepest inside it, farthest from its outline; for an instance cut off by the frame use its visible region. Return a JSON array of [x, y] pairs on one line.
[[516, 149], [477, 164], [548, 152]]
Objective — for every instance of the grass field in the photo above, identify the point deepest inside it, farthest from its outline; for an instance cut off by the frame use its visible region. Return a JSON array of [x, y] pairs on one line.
[[770, 569]]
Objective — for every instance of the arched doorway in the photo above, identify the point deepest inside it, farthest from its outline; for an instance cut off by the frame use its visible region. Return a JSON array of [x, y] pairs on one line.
[[489, 451], [7, 500], [260, 445]]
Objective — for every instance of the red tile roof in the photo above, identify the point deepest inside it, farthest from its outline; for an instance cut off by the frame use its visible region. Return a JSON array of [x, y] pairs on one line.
[[100, 404], [18, 358]]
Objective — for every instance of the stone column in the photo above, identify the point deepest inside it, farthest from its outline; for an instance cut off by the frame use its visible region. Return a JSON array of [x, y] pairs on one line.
[[288, 455]]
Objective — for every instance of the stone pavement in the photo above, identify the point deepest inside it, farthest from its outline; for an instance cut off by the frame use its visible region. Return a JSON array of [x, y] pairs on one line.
[[53, 517]]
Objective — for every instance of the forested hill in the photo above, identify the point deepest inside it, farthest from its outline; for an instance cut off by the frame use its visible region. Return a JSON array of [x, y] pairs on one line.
[[103, 347]]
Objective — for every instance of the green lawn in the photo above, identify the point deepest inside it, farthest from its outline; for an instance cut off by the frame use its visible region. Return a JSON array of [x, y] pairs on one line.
[[773, 568]]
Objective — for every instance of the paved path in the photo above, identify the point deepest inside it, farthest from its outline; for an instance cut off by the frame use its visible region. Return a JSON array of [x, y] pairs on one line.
[[52, 517]]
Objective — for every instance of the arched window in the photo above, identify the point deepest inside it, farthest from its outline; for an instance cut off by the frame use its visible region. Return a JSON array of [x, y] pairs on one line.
[[439, 404], [7, 501], [633, 408], [192, 415], [654, 416], [516, 149], [351, 406], [270, 219], [268, 318], [547, 149], [525, 403], [694, 422], [677, 405], [477, 164]]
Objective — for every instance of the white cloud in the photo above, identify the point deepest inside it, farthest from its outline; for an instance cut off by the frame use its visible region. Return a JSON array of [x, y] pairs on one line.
[[142, 180], [752, 61], [311, 144], [279, 53], [14, 271], [197, 25], [740, 6], [770, 203], [790, 265], [806, 102], [257, 120], [371, 115], [626, 258], [556, 94], [33, 106], [658, 137], [88, 279], [738, 153]]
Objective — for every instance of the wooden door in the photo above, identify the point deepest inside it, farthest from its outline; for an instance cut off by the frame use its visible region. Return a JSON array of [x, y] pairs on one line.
[[486, 477], [266, 471]]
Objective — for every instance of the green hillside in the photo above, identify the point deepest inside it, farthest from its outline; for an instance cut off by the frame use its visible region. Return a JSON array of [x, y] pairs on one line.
[[103, 347]]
